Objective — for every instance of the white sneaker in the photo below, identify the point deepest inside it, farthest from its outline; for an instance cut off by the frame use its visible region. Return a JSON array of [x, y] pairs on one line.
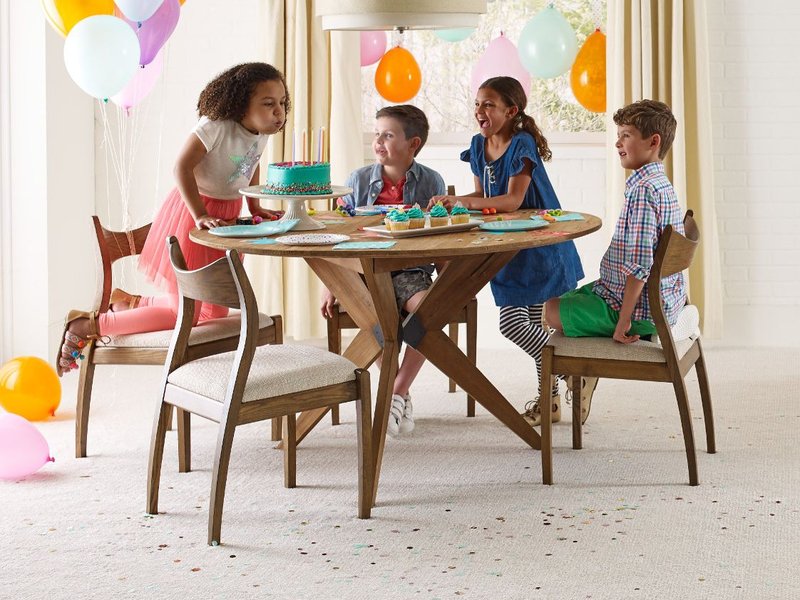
[[396, 414], [407, 422]]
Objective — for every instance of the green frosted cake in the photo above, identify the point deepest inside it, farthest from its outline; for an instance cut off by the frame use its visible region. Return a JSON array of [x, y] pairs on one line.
[[298, 179]]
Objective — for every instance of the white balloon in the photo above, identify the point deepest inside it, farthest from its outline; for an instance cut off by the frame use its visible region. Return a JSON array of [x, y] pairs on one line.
[[101, 54], [138, 10]]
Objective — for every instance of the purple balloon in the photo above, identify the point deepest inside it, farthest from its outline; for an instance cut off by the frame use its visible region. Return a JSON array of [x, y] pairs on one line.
[[155, 31], [140, 85], [23, 450], [500, 59], [373, 47]]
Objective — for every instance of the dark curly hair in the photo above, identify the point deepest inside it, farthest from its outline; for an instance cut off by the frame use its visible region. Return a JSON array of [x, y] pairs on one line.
[[227, 96], [512, 94]]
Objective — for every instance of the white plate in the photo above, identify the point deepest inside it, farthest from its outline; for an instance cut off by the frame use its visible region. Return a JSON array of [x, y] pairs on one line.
[[312, 239], [256, 191], [377, 209], [427, 230]]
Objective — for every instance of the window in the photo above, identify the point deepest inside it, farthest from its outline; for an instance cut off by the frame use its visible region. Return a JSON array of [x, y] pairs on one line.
[[446, 68]]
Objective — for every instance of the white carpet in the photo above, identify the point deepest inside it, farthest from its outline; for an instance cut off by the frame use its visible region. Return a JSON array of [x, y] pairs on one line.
[[461, 510]]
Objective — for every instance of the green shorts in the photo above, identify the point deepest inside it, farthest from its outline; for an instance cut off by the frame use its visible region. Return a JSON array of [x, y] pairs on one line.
[[585, 314]]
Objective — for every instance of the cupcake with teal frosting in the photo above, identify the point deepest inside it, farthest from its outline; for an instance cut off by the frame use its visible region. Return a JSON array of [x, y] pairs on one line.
[[459, 214], [438, 215], [397, 220], [416, 218]]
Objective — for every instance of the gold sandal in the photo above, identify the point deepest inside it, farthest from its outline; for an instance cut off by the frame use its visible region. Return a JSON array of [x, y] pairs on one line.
[[64, 364], [118, 295]]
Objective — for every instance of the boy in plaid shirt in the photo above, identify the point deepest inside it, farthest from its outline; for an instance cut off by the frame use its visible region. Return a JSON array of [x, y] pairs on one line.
[[614, 305]]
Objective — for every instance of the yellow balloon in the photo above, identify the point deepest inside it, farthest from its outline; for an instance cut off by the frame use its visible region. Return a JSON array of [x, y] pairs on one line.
[[398, 77], [29, 387], [63, 14], [588, 75]]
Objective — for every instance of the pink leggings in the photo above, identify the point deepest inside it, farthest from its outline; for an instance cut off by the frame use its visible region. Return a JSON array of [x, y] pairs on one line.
[[154, 313]]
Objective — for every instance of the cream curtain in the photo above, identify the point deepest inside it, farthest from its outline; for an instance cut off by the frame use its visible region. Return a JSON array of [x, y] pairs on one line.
[[658, 49], [323, 76]]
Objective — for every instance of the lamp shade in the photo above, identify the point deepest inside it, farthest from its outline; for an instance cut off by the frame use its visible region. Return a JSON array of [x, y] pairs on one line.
[[368, 15]]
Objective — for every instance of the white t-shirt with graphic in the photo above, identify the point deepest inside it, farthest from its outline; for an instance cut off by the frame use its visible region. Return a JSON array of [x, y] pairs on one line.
[[233, 154]]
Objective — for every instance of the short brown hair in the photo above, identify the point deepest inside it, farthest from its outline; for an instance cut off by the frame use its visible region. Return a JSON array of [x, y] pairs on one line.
[[412, 120], [650, 117], [227, 96]]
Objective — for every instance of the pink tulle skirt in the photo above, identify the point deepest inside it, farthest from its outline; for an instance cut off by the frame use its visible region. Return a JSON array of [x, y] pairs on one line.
[[175, 219]]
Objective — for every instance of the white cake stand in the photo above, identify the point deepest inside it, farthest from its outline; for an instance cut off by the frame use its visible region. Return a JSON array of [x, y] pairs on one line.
[[296, 205]]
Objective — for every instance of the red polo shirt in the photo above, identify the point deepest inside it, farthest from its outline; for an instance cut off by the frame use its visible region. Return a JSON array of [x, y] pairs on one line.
[[392, 193]]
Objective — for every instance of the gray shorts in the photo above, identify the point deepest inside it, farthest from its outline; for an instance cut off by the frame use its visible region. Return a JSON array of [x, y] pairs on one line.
[[408, 283]]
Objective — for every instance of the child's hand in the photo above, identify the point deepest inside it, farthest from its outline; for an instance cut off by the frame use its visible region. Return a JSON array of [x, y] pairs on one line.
[[328, 300], [445, 200], [268, 215], [621, 333], [209, 222]]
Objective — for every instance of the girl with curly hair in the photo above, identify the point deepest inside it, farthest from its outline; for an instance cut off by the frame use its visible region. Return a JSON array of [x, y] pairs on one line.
[[239, 109]]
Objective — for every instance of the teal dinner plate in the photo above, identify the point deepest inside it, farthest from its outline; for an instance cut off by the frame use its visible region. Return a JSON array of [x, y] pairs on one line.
[[514, 225]]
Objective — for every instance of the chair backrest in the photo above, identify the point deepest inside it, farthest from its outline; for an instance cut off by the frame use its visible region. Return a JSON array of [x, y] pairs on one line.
[[674, 254], [223, 282], [114, 245]]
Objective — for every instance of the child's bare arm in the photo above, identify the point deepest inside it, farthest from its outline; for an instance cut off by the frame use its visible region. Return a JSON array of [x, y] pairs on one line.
[[189, 157], [508, 202], [631, 295], [254, 204]]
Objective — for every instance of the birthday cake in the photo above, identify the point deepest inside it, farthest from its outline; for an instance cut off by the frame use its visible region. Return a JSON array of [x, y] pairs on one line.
[[298, 179]]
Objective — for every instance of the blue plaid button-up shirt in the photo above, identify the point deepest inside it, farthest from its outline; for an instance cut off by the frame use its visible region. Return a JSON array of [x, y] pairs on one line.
[[650, 205]]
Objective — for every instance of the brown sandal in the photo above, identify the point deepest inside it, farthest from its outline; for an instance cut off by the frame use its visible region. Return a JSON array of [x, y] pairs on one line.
[[63, 363], [118, 295]]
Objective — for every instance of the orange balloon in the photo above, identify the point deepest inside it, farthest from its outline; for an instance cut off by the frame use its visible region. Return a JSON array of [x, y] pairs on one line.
[[588, 75], [63, 14], [29, 387], [398, 77]]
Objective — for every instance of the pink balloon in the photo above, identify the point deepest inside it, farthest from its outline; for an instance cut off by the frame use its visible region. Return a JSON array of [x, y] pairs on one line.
[[140, 85], [373, 47], [23, 450], [155, 31], [500, 59]]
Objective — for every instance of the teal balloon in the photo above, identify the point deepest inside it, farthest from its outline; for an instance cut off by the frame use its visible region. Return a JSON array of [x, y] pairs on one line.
[[454, 35], [101, 54], [548, 44]]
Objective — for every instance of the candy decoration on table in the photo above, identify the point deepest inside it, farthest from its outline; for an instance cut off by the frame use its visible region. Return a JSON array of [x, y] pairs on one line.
[[344, 209], [29, 387], [23, 450]]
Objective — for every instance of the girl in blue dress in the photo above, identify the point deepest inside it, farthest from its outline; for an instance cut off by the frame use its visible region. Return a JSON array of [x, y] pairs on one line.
[[506, 158]]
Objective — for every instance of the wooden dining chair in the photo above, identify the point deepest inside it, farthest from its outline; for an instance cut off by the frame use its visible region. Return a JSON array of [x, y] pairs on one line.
[[150, 348], [666, 360], [248, 384], [468, 316]]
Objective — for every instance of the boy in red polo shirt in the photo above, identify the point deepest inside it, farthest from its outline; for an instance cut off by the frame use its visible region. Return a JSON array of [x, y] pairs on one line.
[[396, 178]]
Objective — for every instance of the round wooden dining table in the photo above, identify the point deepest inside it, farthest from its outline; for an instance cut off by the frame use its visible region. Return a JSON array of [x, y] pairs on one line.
[[360, 278]]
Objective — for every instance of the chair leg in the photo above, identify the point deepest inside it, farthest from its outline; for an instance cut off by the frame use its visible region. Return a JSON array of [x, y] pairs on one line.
[[170, 421], [452, 332], [686, 424], [577, 426], [184, 441], [705, 395], [335, 346], [222, 458], [156, 457], [85, 381], [290, 450], [364, 428], [275, 433], [546, 406], [472, 346]]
